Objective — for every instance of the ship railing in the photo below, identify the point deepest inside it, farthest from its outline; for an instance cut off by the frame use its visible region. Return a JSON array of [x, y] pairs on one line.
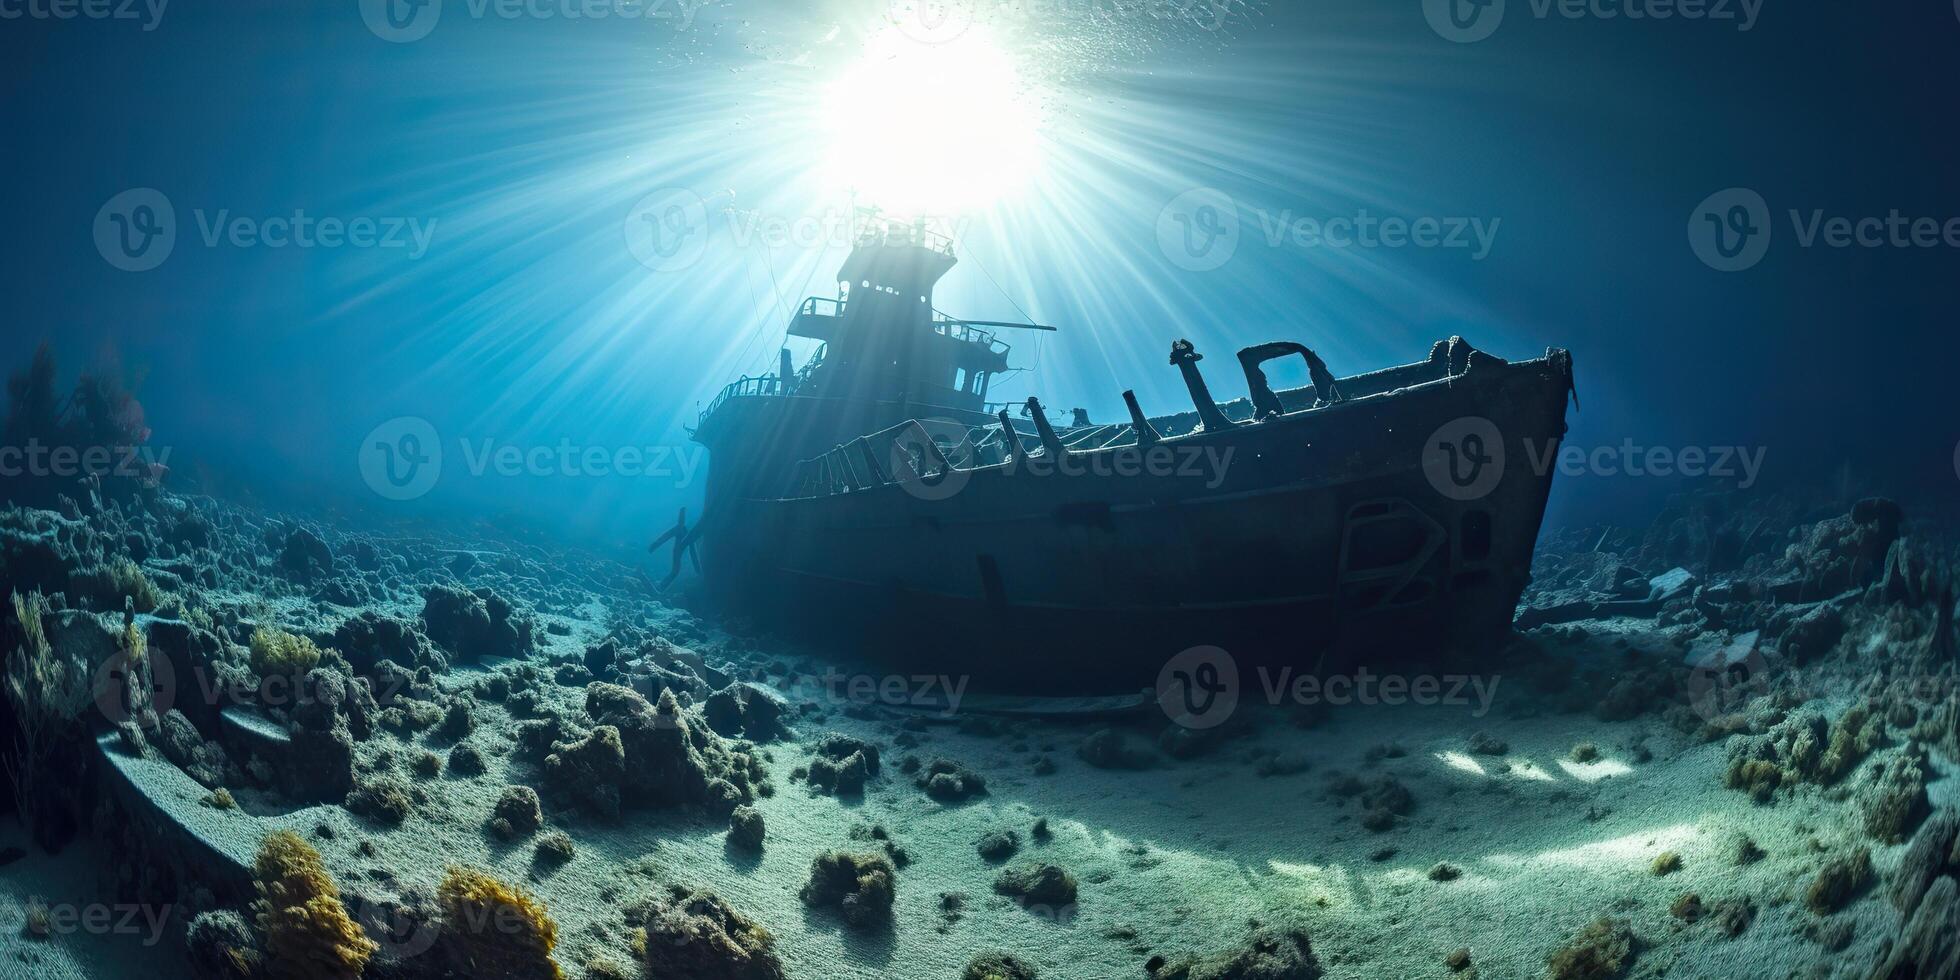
[[875, 229], [967, 332], [907, 453], [767, 384], [821, 306]]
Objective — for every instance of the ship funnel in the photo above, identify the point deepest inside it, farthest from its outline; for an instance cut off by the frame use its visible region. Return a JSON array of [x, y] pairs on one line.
[[1146, 435], [1051, 444], [1186, 357]]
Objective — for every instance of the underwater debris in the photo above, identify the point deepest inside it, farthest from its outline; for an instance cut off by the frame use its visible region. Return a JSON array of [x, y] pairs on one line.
[[1839, 881], [1108, 748], [1037, 885], [1268, 954], [747, 711], [1803, 748], [465, 759], [1484, 743], [300, 919], [860, 885], [697, 935], [1601, 951], [1894, 798], [221, 946], [745, 828], [555, 848], [1458, 960], [1927, 895], [517, 813], [672, 758], [1384, 800], [492, 930], [589, 770], [1584, 752], [473, 625], [1666, 863], [949, 781], [842, 764], [998, 846], [998, 966]]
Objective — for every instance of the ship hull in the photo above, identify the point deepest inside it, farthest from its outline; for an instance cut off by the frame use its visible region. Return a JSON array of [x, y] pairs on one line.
[[1376, 530]]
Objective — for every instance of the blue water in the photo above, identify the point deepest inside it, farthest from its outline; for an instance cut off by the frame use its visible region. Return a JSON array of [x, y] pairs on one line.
[[521, 148]]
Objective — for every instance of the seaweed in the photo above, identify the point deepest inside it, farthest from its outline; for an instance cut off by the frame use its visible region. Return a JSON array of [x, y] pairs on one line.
[[493, 930], [301, 921]]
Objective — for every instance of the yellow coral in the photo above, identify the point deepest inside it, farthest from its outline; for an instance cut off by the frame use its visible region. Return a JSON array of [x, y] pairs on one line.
[[306, 930], [277, 652], [494, 931]]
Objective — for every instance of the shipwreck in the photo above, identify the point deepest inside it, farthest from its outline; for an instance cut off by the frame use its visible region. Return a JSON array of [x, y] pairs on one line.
[[874, 496]]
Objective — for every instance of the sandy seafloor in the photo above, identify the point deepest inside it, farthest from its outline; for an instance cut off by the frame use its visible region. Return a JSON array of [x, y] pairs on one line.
[[1180, 856]]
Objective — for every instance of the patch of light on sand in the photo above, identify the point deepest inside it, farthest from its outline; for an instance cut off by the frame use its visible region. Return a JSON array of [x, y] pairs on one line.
[[1592, 772], [1457, 760], [1330, 883], [1526, 769], [1632, 850]]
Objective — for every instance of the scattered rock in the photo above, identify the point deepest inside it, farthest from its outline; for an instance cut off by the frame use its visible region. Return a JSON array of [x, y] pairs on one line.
[[860, 886]]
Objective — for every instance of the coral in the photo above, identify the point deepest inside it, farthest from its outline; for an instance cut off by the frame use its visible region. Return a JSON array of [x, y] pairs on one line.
[[1838, 882], [1038, 885], [946, 780], [221, 946], [862, 886], [745, 710], [118, 585], [1687, 907], [220, 799], [46, 692], [465, 759], [301, 921], [100, 422], [745, 828], [1600, 951], [997, 966], [1268, 954], [277, 653], [695, 934], [494, 931]]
